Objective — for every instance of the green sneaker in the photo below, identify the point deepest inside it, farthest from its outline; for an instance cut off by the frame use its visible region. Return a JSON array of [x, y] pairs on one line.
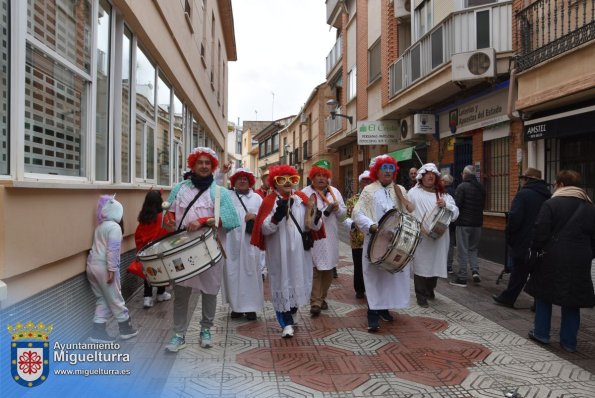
[[176, 343], [205, 338]]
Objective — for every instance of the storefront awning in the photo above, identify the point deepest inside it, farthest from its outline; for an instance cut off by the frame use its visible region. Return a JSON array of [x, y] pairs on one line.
[[405, 154]]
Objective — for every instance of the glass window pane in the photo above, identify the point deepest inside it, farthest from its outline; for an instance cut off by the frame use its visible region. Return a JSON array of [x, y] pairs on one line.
[[163, 124], [125, 132], [140, 147], [103, 95], [55, 114], [64, 26], [150, 152], [437, 48], [415, 63], [145, 85], [4, 79], [483, 29]]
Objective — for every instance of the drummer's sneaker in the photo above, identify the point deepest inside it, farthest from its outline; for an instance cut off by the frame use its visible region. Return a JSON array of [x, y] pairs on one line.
[[459, 282], [287, 332], [165, 296], [126, 330], [205, 338], [148, 302], [176, 343], [385, 316], [475, 276]]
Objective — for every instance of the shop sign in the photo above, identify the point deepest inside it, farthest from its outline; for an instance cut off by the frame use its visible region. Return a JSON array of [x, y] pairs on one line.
[[381, 132]]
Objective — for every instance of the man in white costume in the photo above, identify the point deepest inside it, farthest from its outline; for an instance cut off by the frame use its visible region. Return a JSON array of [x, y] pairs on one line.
[[430, 261], [193, 203], [383, 289], [325, 253], [281, 217], [242, 283]]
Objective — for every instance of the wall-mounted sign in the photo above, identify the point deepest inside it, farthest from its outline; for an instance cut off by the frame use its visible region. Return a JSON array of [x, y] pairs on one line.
[[381, 132], [424, 123]]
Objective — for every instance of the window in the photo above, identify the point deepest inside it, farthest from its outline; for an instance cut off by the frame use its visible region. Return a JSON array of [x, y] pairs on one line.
[[4, 79], [437, 48], [268, 146], [496, 171], [261, 151], [423, 18], [415, 63], [145, 117], [482, 23], [125, 135], [57, 95], [474, 3], [374, 62], [102, 119], [164, 120], [275, 139], [351, 84]]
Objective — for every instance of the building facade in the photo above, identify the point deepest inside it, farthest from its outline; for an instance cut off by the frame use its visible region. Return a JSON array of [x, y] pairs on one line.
[[98, 97]]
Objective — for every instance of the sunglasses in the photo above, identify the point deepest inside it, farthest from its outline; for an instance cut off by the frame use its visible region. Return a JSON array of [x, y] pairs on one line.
[[388, 167], [282, 180]]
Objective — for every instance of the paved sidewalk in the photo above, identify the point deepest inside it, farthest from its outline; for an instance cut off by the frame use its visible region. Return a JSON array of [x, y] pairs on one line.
[[461, 346]]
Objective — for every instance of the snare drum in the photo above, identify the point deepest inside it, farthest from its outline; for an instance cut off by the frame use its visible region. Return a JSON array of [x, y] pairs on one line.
[[179, 256], [395, 241], [436, 222]]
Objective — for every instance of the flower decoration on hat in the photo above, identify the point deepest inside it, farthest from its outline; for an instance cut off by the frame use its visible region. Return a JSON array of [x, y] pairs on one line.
[[378, 161], [203, 151], [243, 172], [431, 167], [280, 170], [365, 174], [321, 167]]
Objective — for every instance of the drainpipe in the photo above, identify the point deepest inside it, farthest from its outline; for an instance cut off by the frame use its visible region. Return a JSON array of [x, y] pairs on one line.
[[511, 91]]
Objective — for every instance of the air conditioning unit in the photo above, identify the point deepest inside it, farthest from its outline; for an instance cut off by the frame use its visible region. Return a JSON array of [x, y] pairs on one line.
[[471, 65], [402, 8], [406, 128]]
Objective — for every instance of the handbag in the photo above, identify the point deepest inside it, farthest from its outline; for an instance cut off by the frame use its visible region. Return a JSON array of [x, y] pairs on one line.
[[249, 223], [307, 240], [136, 268]]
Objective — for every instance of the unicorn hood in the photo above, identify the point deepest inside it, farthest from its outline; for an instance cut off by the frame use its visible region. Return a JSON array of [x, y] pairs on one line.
[[109, 209]]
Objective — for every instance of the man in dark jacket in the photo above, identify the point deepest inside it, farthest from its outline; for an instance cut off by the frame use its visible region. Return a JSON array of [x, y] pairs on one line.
[[470, 198], [519, 231]]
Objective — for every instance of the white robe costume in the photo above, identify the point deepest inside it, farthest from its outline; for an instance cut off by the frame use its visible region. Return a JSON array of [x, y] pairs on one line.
[[325, 253], [431, 254], [288, 264], [383, 289], [242, 281]]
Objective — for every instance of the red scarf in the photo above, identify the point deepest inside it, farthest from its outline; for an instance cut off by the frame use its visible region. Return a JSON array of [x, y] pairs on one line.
[[266, 207]]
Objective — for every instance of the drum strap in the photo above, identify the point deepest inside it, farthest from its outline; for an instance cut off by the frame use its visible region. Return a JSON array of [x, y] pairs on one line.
[[190, 205]]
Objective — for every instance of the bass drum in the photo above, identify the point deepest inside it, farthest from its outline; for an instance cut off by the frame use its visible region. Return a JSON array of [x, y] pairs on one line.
[[179, 256], [395, 241]]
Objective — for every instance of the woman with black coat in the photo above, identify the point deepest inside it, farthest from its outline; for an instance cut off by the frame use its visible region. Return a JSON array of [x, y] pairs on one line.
[[565, 232]]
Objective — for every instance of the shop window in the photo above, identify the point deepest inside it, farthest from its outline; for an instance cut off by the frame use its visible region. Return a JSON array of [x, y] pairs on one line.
[[496, 174]]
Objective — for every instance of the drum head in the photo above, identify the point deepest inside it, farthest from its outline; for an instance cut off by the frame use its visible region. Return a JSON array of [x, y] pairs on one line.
[[172, 241], [383, 239]]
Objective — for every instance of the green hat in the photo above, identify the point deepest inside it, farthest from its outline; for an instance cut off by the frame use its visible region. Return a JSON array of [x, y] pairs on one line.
[[325, 164]]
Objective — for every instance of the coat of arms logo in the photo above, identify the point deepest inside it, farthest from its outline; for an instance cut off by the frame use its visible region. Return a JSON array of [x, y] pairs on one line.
[[29, 353]]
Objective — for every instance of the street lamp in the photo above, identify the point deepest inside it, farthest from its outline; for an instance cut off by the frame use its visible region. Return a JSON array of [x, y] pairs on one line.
[[332, 105]]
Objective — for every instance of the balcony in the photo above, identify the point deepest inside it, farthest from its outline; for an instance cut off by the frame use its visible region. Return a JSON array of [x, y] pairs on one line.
[[455, 34], [550, 27], [333, 57], [331, 126], [334, 8]]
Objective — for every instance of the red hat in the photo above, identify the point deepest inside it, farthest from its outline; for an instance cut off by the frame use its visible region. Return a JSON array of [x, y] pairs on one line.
[[203, 151], [241, 172], [281, 170]]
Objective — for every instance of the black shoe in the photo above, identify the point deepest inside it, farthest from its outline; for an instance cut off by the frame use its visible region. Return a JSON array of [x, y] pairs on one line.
[[315, 310], [235, 315], [532, 336], [126, 330], [459, 282], [476, 277], [99, 334], [499, 301], [251, 316], [324, 306], [360, 295], [335, 274], [422, 302], [373, 324], [385, 316], [431, 296]]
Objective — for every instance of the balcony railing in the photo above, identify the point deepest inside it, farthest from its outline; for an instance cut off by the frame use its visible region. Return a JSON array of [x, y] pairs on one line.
[[455, 34], [334, 56], [551, 27]]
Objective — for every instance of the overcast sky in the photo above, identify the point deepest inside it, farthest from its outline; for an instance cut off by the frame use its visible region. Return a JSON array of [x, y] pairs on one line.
[[282, 47]]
